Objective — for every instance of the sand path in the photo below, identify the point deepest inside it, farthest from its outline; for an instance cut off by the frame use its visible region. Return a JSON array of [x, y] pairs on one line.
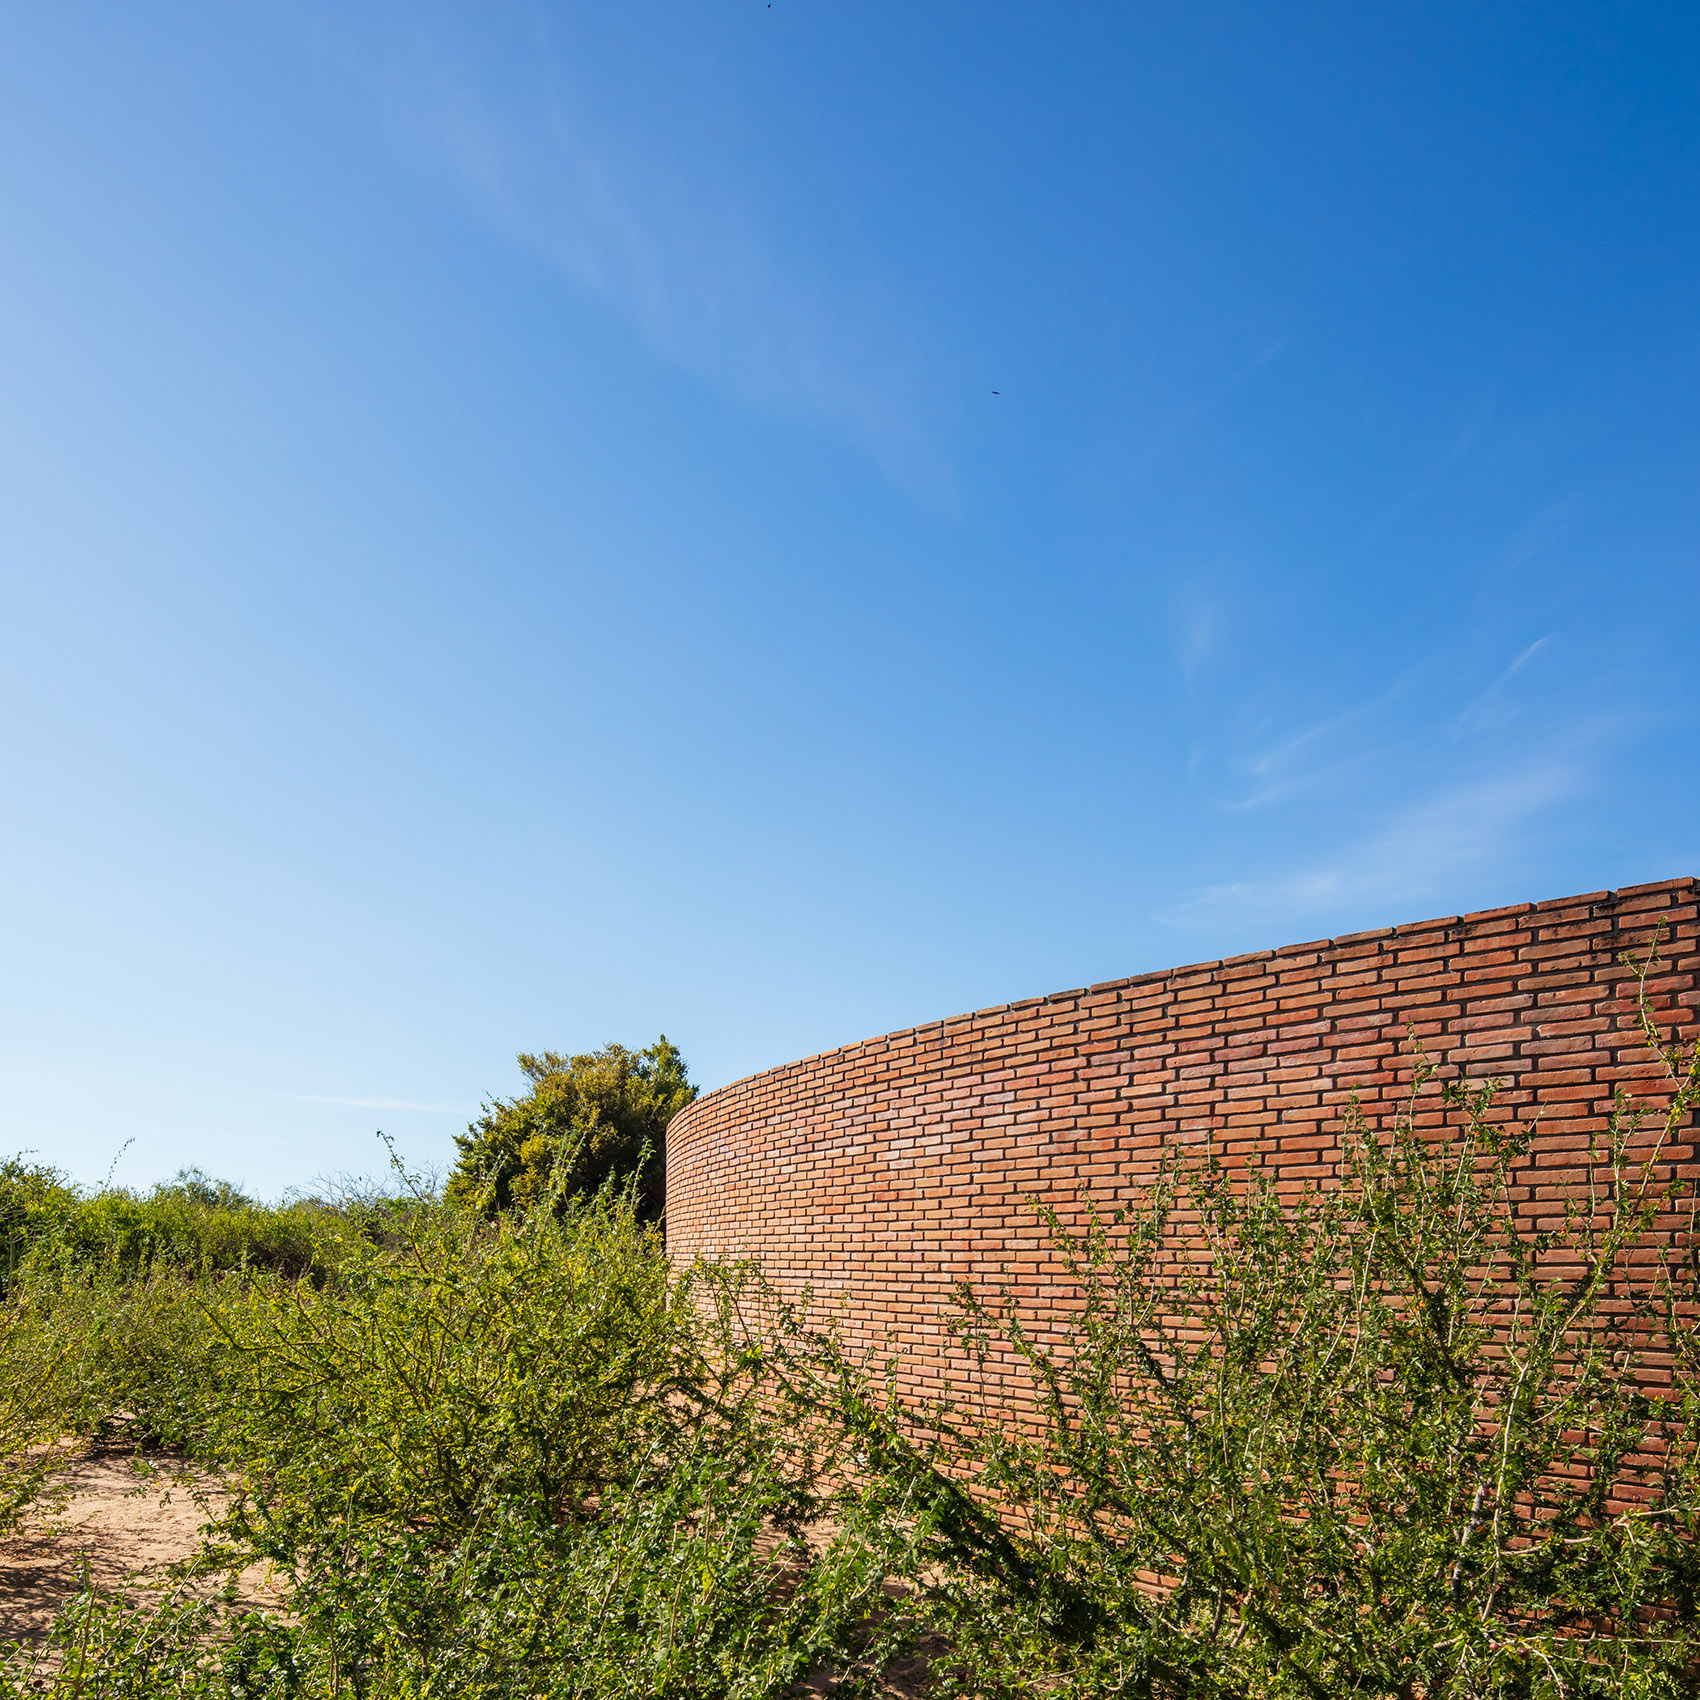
[[128, 1524]]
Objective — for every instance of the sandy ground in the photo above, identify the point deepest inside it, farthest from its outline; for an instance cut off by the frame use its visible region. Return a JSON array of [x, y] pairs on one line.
[[128, 1524]]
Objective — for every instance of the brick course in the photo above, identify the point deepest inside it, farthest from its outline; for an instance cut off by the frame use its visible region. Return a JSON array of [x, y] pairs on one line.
[[881, 1174]]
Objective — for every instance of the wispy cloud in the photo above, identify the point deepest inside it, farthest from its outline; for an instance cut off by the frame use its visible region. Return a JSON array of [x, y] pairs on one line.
[[1409, 856], [1537, 535], [1295, 762], [1200, 627], [1467, 434], [1427, 480], [1298, 761], [379, 1104], [681, 254], [1527, 656], [1212, 397], [1495, 708]]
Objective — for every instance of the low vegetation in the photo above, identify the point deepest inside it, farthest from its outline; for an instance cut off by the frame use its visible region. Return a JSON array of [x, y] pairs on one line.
[[190, 1222], [1386, 1437]]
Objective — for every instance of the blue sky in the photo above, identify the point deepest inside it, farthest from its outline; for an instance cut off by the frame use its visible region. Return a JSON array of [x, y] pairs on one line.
[[528, 525]]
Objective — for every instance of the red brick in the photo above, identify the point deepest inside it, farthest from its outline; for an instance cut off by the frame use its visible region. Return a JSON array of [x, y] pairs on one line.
[[881, 1172]]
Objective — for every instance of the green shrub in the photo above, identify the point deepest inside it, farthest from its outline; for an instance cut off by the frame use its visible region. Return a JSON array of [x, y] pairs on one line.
[[508, 1457], [1387, 1437], [188, 1222], [584, 1120], [35, 1201]]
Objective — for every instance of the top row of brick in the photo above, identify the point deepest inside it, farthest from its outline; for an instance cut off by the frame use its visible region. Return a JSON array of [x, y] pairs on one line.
[[1406, 930]]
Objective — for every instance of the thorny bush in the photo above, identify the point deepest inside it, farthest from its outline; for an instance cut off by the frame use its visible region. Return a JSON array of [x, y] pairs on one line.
[[1424, 1431]]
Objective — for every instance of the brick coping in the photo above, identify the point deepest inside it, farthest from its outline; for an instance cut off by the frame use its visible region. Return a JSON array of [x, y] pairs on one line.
[[1158, 975]]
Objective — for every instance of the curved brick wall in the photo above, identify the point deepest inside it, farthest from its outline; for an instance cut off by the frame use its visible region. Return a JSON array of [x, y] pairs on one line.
[[882, 1173]]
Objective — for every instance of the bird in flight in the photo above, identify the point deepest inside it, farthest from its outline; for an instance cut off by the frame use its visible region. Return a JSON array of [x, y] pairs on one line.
[[997, 392]]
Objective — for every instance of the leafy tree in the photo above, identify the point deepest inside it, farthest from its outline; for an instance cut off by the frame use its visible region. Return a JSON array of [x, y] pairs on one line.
[[586, 1119]]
